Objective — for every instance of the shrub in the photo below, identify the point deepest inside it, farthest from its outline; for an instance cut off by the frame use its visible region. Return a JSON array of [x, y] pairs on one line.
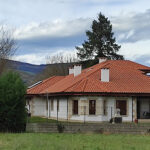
[[12, 103], [60, 127]]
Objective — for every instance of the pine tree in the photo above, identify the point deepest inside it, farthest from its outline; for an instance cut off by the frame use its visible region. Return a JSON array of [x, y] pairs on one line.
[[12, 103], [100, 42]]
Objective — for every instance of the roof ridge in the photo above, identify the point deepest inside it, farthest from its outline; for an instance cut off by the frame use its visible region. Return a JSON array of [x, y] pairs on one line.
[[96, 70], [84, 75]]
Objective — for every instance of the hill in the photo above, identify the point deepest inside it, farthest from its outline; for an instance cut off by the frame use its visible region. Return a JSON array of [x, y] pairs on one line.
[[27, 71], [26, 67], [31, 73]]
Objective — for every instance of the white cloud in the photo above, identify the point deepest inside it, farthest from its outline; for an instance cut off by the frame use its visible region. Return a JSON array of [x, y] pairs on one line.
[[131, 30], [41, 58], [36, 58], [56, 28], [132, 51], [132, 27]]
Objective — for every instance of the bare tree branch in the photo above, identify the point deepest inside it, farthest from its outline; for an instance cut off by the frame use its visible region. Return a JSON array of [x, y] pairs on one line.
[[57, 65], [7, 47], [61, 58]]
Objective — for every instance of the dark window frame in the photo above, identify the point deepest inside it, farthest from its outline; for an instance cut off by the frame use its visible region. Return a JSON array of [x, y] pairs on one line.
[[92, 107], [123, 103], [52, 105], [105, 107], [75, 108]]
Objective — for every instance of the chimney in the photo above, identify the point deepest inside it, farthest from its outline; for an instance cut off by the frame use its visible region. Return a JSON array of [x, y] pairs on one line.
[[105, 74], [102, 59], [71, 70], [77, 69]]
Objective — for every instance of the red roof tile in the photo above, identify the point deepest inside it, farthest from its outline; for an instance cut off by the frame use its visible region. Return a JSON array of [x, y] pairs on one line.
[[44, 84], [125, 77]]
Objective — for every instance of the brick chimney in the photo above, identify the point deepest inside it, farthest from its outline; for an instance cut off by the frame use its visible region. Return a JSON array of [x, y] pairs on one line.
[[105, 74], [102, 59]]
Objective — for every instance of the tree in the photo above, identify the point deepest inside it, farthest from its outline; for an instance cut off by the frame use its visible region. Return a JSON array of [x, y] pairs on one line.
[[7, 47], [12, 103], [100, 42], [57, 65], [61, 58]]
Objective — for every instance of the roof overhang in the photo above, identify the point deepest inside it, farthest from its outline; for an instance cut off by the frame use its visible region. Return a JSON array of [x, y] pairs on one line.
[[90, 94]]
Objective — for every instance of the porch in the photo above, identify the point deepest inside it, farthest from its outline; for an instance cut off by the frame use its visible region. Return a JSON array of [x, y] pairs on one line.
[[143, 109]]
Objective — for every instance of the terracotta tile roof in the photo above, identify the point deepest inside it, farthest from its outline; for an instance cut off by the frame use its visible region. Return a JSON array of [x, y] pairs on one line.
[[125, 77], [44, 84]]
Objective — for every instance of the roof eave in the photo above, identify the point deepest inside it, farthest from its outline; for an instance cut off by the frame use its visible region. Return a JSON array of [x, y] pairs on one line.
[[96, 94]]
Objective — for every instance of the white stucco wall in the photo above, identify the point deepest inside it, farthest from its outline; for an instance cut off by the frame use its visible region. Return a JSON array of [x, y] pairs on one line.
[[62, 113], [111, 109], [39, 108]]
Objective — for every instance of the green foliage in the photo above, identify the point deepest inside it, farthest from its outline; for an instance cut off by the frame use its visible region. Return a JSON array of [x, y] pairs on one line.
[[60, 127], [100, 42], [12, 103]]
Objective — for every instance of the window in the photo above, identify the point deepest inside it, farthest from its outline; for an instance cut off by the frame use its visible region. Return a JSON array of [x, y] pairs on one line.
[[75, 107], [57, 105], [92, 107], [52, 105], [104, 108], [122, 105]]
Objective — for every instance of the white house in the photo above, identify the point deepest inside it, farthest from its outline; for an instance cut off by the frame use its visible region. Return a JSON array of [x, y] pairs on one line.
[[94, 94]]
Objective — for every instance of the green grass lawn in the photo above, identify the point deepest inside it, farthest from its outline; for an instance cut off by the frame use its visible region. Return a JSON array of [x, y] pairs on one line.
[[39, 141], [40, 120]]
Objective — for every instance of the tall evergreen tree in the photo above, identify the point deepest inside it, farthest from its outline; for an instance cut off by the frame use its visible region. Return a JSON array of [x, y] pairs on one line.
[[101, 41], [12, 103]]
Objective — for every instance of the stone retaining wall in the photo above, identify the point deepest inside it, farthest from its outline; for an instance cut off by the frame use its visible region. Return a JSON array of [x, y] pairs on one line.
[[85, 128]]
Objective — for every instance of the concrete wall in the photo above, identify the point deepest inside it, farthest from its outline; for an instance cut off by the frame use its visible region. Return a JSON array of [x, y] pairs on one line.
[[62, 112], [89, 128], [38, 108]]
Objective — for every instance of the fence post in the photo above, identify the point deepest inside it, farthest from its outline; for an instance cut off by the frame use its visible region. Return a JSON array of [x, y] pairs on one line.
[[132, 109], [111, 112], [57, 110], [67, 109], [84, 113]]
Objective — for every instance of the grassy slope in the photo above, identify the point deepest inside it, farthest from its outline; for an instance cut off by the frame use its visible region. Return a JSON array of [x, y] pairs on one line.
[[33, 141]]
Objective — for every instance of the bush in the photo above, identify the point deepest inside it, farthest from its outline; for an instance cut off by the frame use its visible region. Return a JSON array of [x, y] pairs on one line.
[[60, 127], [12, 103]]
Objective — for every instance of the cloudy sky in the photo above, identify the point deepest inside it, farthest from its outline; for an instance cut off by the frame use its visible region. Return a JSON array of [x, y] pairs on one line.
[[45, 27]]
